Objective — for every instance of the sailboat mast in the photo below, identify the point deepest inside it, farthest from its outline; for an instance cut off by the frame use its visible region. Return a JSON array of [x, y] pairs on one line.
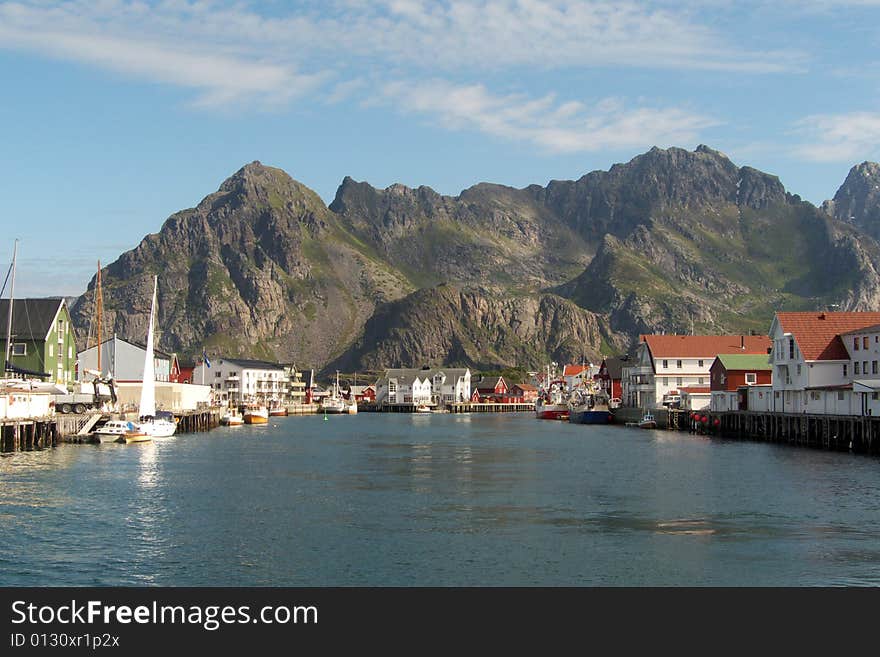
[[9, 314], [99, 303]]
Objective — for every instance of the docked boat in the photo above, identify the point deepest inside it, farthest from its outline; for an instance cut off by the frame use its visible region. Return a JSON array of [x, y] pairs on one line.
[[119, 431], [334, 403], [153, 423], [590, 406], [351, 406], [256, 415], [552, 405], [277, 410], [424, 408], [647, 422], [232, 418]]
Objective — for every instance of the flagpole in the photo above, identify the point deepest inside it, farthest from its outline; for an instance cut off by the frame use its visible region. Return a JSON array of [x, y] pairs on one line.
[[204, 365]]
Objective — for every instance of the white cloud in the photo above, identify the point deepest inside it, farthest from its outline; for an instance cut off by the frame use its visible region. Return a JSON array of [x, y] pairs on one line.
[[561, 127], [230, 53], [839, 137]]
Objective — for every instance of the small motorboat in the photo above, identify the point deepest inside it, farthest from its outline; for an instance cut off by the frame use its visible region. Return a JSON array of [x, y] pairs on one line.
[[256, 415], [647, 422], [120, 431], [424, 408]]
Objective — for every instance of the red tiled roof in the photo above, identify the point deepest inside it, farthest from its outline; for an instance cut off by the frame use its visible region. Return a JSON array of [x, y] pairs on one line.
[[524, 386], [817, 334], [573, 370], [704, 346]]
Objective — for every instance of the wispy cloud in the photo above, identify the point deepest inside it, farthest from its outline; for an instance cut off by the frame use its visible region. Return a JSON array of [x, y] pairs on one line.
[[546, 122], [231, 53], [839, 137]]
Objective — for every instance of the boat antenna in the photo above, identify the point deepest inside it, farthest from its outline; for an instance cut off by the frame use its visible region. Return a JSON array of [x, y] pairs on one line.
[[9, 314]]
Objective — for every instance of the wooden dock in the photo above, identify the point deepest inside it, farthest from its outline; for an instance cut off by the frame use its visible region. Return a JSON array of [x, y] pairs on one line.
[[459, 407], [836, 432], [21, 435]]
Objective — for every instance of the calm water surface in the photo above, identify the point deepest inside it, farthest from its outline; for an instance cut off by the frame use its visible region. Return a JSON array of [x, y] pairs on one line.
[[384, 499]]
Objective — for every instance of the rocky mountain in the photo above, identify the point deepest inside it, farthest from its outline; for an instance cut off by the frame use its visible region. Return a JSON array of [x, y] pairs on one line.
[[477, 328], [704, 245], [673, 240], [857, 202], [261, 268]]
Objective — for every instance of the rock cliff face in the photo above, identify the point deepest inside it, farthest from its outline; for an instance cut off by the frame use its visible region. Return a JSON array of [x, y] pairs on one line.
[[857, 202], [673, 240], [475, 328], [260, 268]]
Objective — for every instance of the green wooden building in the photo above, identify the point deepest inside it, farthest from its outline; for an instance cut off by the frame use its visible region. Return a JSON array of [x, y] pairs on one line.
[[42, 340]]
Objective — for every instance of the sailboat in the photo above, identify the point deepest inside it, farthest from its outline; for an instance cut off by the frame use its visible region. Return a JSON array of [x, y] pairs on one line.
[[153, 424]]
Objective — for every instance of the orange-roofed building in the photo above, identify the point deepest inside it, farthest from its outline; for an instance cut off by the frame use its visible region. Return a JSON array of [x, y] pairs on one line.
[[814, 362], [666, 364]]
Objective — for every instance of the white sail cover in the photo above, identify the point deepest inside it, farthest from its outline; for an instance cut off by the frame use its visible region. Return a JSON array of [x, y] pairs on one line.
[[148, 390]]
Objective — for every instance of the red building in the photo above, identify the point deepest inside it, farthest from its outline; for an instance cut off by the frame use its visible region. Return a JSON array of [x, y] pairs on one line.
[[730, 371], [185, 375], [363, 393], [524, 392], [610, 374], [492, 389]]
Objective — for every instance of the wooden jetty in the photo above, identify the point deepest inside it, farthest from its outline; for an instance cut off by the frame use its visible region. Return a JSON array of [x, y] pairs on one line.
[[21, 435], [458, 407], [837, 432]]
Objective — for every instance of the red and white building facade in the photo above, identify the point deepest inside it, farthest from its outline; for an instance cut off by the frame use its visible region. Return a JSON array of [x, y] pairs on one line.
[[667, 364]]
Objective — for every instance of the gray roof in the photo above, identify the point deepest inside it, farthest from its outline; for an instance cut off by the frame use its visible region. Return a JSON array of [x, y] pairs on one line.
[[252, 364], [615, 365], [31, 318], [409, 374]]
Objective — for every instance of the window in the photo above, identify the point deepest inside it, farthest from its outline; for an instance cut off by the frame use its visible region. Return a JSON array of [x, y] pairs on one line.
[[799, 369], [217, 375], [700, 381], [865, 342], [751, 378], [844, 369], [873, 367], [791, 348], [665, 381], [19, 349], [855, 344], [392, 387], [840, 396], [856, 368], [875, 396], [700, 363], [51, 350], [864, 367], [665, 364], [678, 381], [815, 396], [70, 351], [678, 364]]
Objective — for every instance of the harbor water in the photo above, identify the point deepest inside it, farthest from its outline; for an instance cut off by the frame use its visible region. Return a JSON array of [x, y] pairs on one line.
[[438, 499]]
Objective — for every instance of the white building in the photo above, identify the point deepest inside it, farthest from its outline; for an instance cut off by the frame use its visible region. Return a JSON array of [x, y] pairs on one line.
[[814, 360], [124, 361], [415, 386], [666, 364], [241, 381], [169, 396]]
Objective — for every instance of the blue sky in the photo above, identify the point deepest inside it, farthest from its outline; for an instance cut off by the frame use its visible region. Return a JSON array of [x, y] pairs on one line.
[[116, 114]]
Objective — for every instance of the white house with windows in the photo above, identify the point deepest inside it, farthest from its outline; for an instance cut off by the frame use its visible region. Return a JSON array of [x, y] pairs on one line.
[[419, 386], [814, 358], [665, 365], [242, 381]]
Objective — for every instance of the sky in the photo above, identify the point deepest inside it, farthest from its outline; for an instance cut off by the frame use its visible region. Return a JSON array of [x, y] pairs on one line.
[[114, 114]]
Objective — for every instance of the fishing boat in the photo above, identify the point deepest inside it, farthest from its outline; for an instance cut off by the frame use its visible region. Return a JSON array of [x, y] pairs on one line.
[[277, 410], [589, 405], [334, 403], [151, 423], [232, 418], [255, 414], [552, 405]]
